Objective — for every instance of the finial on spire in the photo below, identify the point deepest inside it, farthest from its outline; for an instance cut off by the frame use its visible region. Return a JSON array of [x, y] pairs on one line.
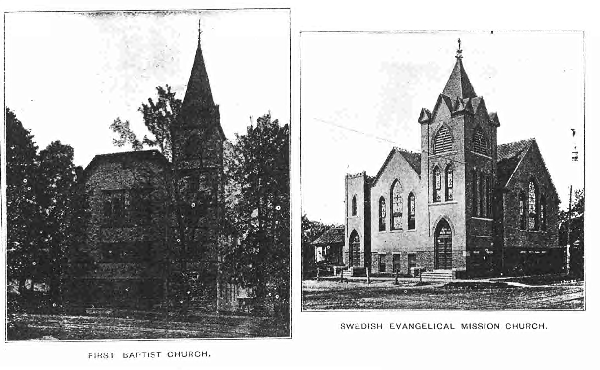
[[459, 50], [199, 28]]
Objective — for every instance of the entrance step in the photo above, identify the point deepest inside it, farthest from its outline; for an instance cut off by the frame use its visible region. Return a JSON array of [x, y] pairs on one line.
[[437, 275]]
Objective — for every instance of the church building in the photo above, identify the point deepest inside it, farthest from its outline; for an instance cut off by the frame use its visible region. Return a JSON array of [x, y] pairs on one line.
[[465, 206], [143, 205]]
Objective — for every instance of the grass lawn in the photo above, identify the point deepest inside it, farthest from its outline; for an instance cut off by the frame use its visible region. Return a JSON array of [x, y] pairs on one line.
[[383, 294], [70, 327]]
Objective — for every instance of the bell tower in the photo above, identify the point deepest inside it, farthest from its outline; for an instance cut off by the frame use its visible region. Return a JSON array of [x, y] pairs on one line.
[[458, 142], [198, 159]]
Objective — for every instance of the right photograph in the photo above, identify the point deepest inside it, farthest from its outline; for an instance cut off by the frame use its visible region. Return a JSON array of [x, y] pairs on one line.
[[442, 170]]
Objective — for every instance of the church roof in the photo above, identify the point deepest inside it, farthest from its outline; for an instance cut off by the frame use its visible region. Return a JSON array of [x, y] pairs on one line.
[[198, 94], [198, 105], [333, 235], [509, 156], [458, 85], [414, 159], [136, 155]]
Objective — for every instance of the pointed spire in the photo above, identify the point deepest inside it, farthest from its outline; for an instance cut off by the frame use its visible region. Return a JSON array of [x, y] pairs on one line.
[[198, 98], [458, 85]]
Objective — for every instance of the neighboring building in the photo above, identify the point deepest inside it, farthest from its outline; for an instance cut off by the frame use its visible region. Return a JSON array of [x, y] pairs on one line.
[[464, 205], [328, 248], [132, 234]]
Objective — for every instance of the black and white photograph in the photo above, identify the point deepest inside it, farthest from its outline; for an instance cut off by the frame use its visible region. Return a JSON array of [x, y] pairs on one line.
[[147, 174], [453, 178]]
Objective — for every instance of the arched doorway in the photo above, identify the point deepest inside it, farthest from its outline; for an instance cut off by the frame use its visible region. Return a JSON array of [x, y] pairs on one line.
[[354, 249], [443, 246]]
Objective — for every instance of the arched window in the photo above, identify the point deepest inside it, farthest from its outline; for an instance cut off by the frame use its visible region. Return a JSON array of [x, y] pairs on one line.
[[488, 195], [480, 144], [475, 203], [437, 185], [382, 214], [442, 141], [449, 183], [522, 213], [396, 193], [543, 212], [411, 211], [533, 206], [481, 195], [354, 205]]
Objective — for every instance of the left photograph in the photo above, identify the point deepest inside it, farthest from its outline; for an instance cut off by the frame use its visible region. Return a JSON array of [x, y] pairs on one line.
[[147, 174]]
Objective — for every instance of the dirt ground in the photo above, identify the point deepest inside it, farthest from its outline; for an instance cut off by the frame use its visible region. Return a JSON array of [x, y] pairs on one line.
[[65, 327], [474, 295]]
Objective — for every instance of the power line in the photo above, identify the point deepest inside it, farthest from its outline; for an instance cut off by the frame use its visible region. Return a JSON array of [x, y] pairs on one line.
[[377, 137]]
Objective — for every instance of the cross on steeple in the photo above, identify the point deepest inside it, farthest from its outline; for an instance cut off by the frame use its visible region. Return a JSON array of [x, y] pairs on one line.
[[459, 51]]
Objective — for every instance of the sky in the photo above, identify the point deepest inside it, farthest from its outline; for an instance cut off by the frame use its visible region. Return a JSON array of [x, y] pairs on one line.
[[69, 77], [361, 95]]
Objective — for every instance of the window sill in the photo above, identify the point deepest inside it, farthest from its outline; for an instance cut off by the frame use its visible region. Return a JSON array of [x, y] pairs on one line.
[[482, 218], [452, 152], [442, 203]]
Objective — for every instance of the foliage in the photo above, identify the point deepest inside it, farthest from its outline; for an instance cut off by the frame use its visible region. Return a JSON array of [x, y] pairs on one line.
[[159, 118], [311, 230], [260, 168], [23, 211], [577, 220], [56, 184]]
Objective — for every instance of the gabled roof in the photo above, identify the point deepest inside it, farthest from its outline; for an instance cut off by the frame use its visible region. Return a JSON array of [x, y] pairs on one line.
[[334, 235], [137, 155], [458, 85], [413, 159], [509, 157]]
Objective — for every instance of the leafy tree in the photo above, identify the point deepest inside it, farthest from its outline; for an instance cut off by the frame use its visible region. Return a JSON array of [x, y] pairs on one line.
[[160, 117], [55, 193], [260, 169], [311, 230], [576, 235], [23, 211]]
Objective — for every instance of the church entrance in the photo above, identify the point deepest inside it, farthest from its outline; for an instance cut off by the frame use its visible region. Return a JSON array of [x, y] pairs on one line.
[[354, 249], [443, 246]]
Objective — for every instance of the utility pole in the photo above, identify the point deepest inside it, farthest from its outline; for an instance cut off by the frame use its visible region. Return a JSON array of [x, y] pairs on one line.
[[574, 158]]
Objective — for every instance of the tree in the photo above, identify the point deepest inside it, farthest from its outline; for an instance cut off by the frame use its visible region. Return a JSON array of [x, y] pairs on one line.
[[576, 234], [259, 168], [23, 211], [159, 118], [56, 185], [311, 230]]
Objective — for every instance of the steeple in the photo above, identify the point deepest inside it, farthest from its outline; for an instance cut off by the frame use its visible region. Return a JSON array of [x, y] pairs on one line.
[[458, 85], [198, 101]]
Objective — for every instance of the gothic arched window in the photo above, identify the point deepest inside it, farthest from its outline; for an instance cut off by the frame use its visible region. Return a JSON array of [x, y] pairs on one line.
[[522, 212], [396, 193], [354, 205], [442, 141], [475, 203], [480, 144], [449, 183], [543, 212], [533, 206], [437, 185], [382, 214], [411, 211]]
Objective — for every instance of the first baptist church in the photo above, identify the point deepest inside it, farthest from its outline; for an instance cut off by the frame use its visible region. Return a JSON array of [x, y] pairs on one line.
[[462, 207]]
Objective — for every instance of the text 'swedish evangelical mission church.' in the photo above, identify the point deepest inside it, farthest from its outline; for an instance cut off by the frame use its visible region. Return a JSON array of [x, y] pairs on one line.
[[463, 207]]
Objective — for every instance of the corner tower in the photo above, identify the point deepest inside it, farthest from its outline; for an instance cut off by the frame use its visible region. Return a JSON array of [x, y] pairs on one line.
[[198, 159], [458, 142]]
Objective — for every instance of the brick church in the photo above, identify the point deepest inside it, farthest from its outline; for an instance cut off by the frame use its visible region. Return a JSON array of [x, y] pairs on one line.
[[464, 206], [134, 235]]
